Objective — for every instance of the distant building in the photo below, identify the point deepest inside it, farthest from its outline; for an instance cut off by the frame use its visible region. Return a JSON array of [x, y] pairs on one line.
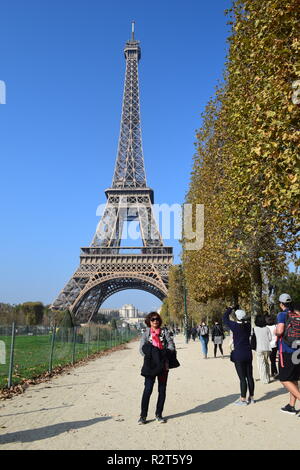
[[132, 316], [110, 312], [129, 311]]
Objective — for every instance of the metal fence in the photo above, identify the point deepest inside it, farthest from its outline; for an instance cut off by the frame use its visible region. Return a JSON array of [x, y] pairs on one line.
[[29, 351]]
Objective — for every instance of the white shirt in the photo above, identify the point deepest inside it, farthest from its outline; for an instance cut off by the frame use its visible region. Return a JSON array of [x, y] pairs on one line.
[[273, 342], [263, 338]]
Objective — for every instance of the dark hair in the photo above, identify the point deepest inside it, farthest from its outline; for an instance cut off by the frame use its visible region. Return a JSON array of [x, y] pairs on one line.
[[297, 307], [150, 316], [289, 305], [260, 321], [270, 320]]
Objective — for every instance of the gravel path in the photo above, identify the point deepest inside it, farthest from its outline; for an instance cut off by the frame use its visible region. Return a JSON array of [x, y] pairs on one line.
[[96, 406]]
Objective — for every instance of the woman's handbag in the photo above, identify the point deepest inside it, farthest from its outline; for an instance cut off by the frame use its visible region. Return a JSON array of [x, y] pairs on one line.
[[172, 358]]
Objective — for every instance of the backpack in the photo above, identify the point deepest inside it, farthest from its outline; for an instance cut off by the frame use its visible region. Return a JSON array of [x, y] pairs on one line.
[[292, 329], [203, 330]]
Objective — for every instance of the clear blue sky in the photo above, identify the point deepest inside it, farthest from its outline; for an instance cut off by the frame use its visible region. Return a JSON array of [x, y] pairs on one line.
[[63, 65]]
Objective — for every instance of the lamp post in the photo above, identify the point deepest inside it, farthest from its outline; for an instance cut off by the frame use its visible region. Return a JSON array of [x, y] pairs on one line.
[[186, 317]]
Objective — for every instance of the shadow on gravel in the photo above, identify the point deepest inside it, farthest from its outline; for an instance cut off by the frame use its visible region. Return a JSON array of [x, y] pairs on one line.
[[46, 432], [211, 406], [67, 385], [219, 403], [273, 393], [34, 411]]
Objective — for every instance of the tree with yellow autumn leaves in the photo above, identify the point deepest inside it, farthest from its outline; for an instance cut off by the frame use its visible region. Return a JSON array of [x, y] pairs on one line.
[[247, 166]]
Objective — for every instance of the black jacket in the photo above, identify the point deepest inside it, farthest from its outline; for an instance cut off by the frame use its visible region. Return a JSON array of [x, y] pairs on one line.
[[155, 360], [217, 331]]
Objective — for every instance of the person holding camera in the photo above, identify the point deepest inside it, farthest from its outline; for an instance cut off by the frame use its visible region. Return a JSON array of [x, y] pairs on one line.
[[242, 353]]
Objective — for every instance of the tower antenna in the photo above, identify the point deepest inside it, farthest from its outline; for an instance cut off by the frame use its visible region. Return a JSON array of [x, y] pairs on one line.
[[132, 30]]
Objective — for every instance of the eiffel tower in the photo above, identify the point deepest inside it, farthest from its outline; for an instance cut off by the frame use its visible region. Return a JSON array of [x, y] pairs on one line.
[[105, 266]]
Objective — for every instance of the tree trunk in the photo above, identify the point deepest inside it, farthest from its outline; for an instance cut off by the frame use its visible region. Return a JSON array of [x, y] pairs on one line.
[[256, 288], [235, 297]]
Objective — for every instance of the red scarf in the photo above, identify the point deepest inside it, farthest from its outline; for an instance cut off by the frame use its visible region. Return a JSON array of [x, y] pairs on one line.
[[155, 338]]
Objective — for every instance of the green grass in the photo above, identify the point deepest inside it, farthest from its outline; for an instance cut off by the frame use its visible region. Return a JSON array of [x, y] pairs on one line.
[[32, 355]]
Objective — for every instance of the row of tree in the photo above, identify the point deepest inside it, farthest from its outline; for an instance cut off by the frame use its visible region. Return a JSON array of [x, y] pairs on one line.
[[173, 307], [36, 313], [28, 313], [246, 169]]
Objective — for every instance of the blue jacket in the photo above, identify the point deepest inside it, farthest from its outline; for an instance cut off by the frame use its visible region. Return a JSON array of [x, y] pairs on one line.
[[154, 360]]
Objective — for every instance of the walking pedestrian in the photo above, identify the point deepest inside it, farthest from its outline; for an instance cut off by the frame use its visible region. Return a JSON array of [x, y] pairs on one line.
[[217, 336], [241, 354], [188, 333], [203, 333], [157, 347], [194, 333], [271, 324], [287, 330], [263, 348]]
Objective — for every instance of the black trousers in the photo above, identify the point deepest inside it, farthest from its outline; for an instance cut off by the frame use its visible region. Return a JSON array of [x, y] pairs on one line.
[[245, 373], [273, 355], [162, 386]]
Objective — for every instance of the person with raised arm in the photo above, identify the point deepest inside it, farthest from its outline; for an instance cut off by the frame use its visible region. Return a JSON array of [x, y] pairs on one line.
[[242, 353]]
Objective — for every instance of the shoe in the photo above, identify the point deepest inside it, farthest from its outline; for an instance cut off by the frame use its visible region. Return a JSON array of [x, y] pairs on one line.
[[288, 409], [251, 401], [160, 419], [241, 403], [142, 420]]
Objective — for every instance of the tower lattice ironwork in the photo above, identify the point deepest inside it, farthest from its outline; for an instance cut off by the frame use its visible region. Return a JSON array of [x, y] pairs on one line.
[[106, 267]]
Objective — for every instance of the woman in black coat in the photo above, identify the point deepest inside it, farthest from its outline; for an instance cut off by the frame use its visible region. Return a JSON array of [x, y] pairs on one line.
[[157, 347], [217, 336]]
